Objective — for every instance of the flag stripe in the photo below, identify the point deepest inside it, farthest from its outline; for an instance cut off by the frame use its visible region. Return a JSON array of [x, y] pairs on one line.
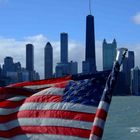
[[99, 122], [39, 99], [103, 105], [54, 130], [42, 82], [43, 137], [48, 114], [51, 91], [94, 137], [10, 104], [10, 92], [97, 131], [102, 114], [16, 98], [50, 106], [45, 122]]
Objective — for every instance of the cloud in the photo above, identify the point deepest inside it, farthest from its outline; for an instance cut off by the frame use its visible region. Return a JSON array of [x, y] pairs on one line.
[[136, 18], [17, 49]]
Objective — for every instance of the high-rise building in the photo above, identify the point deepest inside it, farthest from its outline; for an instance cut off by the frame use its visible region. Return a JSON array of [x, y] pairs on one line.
[[64, 48], [48, 54], [8, 65], [64, 67], [73, 67], [109, 54], [30, 57], [127, 65], [135, 81], [89, 65], [30, 60]]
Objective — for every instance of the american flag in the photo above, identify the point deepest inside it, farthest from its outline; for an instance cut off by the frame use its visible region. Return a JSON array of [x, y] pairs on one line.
[[56, 109]]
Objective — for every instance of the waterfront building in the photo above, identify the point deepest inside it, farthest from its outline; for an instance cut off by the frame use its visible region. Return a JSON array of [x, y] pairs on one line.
[[30, 57], [89, 65], [48, 59], [109, 54], [61, 69], [64, 67], [8, 65], [73, 67], [135, 81], [30, 60], [127, 65], [64, 48]]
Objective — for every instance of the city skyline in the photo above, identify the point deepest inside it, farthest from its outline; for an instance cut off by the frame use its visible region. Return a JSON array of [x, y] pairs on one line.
[[16, 32]]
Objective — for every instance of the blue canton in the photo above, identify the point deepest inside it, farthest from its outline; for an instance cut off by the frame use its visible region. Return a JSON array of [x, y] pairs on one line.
[[87, 92]]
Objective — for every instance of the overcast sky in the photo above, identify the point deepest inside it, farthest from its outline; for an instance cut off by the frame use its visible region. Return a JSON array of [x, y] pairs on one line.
[[39, 21]]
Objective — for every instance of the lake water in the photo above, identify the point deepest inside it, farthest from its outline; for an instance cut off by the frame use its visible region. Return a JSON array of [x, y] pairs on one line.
[[123, 122]]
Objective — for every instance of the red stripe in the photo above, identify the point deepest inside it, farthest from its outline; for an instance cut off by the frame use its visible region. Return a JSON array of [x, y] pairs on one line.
[[10, 104], [97, 131], [44, 98], [37, 99], [43, 82], [102, 114], [13, 91], [48, 114], [51, 130]]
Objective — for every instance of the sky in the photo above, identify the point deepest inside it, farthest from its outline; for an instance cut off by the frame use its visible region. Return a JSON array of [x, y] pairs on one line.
[[40, 21]]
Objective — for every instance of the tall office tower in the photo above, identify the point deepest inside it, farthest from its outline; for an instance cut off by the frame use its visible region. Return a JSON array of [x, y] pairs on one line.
[[64, 67], [135, 81], [30, 57], [109, 54], [8, 64], [64, 48], [48, 61], [127, 65], [30, 61], [89, 65]]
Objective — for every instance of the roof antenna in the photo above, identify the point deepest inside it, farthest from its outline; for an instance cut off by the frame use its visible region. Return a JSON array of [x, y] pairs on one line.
[[90, 7]]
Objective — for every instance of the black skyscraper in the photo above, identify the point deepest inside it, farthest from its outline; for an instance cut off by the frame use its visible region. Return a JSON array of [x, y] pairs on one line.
[[48, 61], [30, 61], [30, 57], [89, 65], [64, 48]]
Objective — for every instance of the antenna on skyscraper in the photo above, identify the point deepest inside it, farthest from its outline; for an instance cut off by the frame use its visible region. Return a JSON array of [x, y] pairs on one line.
[[90, 7]]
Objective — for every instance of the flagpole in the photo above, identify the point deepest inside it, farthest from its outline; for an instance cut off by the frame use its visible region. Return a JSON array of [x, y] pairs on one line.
[[103, 107]]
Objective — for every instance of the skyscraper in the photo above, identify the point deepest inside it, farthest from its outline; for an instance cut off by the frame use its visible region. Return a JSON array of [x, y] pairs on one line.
[[127, 65], [48, 54], [89, 65], [30, 57], [64, 48], [109, 54], [30, 61], [64, 67], [135, 81]]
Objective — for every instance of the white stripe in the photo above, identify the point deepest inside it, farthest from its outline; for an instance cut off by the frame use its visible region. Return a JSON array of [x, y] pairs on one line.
[[51, 91], [43, 137], [50, 106], [45, 85], [45, 122], [5, 111], [94, 137], [18, 98], [103, 105], [39, 86], [99, 122]]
